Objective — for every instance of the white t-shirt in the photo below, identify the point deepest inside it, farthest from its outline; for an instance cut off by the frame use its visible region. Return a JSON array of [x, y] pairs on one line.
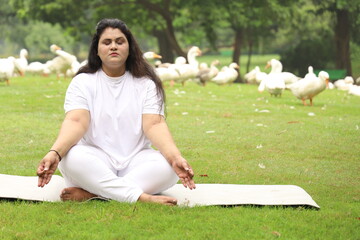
[[116, 105]]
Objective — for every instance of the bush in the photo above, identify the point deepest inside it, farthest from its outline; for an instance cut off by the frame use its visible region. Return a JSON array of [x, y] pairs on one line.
[[319, 54]]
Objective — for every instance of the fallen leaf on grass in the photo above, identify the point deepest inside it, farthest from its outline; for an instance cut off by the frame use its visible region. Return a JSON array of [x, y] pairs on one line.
[[203, 175], [293, 122], [283, 131], [227, 115], [276, 233]]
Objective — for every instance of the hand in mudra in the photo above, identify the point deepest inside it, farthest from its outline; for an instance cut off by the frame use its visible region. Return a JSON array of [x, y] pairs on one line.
[[47, 168], [184, 172]]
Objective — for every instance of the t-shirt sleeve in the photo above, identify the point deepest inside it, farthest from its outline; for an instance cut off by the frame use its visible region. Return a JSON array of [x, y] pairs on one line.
[[153, 102], [76, 95]]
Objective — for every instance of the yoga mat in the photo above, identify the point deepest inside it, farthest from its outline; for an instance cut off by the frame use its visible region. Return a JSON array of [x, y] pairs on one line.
[[237, 194], [25, 188]]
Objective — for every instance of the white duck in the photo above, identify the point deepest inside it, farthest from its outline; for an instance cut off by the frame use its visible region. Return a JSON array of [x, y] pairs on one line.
[[21, 63], [354, 90], [250, 77], [227, 74], [178, 60], [38, 68], [269, 82], [151, 55], [310, 72], [206, 73], [74, 67], [357, 81], [344, 84], [7, 68], [308, 88], [63, 62], [276, 71], [168, 73], [188, 70]]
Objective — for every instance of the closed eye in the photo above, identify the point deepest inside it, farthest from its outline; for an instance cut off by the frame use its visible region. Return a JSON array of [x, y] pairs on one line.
[[120, 40]]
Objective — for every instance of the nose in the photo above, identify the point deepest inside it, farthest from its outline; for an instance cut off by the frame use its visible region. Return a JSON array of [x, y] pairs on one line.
[[113, 45]]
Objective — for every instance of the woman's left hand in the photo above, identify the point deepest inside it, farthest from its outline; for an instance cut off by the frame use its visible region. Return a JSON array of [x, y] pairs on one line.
[[184, 172]]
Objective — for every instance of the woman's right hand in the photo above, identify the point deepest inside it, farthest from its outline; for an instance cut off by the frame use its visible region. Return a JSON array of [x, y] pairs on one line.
[[47, 168]]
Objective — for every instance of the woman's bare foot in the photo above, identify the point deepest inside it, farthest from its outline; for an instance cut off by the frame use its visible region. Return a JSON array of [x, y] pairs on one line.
[[165, 200], [76, 194]]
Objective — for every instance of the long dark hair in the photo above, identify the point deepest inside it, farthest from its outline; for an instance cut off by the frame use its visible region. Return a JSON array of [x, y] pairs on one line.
[[135, 63]]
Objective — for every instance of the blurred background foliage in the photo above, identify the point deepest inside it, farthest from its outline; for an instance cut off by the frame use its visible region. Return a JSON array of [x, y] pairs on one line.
[[321, 33]]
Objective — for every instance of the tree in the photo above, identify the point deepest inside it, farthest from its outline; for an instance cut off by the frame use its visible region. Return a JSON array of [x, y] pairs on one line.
[[62, 12], [249, 20], [137, 13], [306, 39], [346, 19]]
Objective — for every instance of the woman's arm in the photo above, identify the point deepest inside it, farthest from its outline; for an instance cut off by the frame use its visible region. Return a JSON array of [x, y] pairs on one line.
[[156, 129], [73, 128]]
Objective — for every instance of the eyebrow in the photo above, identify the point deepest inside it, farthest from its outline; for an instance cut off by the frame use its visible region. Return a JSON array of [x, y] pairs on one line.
[[119, 38]]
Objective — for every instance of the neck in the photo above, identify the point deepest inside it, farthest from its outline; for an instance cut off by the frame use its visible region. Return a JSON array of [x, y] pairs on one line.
[[117, 72]]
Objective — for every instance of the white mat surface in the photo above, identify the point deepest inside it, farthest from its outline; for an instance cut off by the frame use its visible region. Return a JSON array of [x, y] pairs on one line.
[[22, 187], [235, 194]]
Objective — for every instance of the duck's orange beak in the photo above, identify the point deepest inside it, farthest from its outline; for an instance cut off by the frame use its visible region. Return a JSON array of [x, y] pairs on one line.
[[267, 65], [157, 56]]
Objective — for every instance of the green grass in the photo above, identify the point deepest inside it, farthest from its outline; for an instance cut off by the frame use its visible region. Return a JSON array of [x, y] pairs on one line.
[[318, 153]]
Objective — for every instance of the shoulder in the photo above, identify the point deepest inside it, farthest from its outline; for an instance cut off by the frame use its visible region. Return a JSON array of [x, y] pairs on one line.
[[84, 79], [84, 76]]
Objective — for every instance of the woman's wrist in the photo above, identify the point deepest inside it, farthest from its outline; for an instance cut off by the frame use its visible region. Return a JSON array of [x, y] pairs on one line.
[[57, 153]]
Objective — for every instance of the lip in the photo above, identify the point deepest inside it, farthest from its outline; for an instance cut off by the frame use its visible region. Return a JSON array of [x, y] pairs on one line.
[[114, 54]]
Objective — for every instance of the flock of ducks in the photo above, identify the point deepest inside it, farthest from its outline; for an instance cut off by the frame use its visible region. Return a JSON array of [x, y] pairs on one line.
[[64, 64], [183, 70], [305, 88]]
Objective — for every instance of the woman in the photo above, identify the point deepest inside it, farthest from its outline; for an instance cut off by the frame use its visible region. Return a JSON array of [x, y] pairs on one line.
[[114, 112]]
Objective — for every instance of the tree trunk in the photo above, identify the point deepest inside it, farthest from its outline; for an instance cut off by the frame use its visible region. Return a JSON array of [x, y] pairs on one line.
[[163, 9], [342, 41], [250, 43], [164, 46], [237, 50]]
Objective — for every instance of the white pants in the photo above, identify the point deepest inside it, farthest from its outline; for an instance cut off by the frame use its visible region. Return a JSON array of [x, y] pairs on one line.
[[89, 168]]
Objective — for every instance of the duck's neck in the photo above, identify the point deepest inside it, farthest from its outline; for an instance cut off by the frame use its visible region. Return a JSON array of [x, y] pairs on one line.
[[192, 59]]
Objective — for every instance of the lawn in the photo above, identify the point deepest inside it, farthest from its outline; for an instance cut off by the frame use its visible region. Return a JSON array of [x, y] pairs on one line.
[[226, 136]]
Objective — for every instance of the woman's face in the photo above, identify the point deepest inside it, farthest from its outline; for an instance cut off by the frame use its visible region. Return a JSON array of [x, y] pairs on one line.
[[113, 50]]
